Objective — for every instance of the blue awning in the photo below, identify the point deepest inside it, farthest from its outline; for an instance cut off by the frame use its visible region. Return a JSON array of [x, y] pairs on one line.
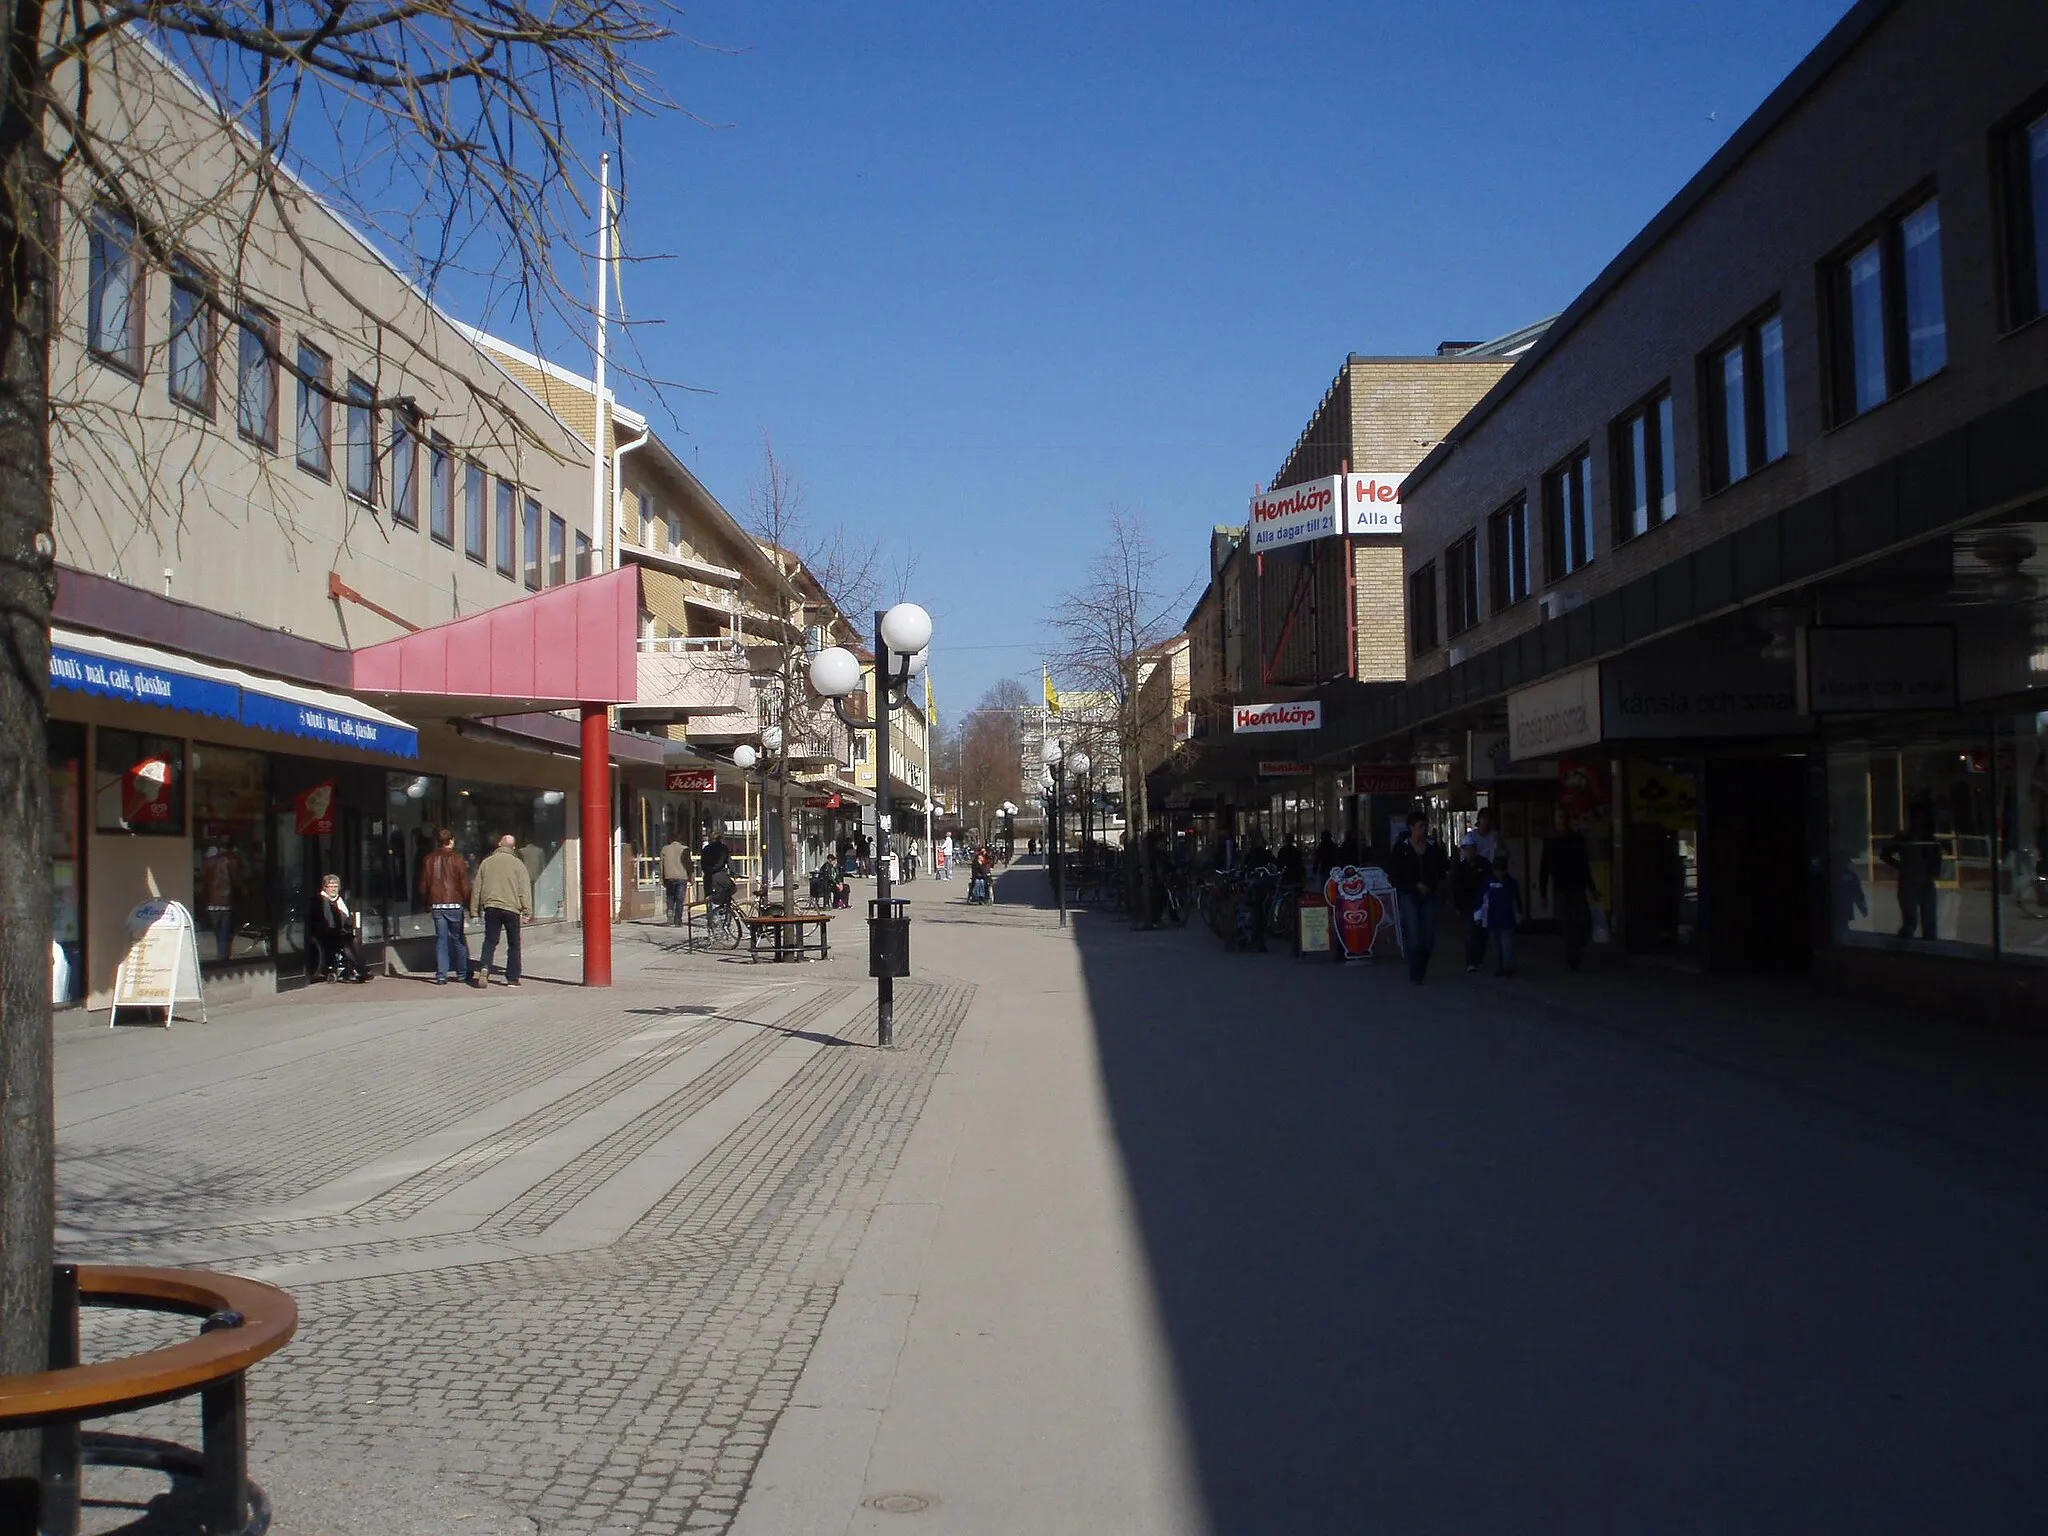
[[141, 674]]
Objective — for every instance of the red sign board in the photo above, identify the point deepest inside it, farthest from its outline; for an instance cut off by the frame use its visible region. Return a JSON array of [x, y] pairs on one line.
[[1283, 770], [692, 781], [146, 793], [1372, 779], [822, 802], [313, 810]]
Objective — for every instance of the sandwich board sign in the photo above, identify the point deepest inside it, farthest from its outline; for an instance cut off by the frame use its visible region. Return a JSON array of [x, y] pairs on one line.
[[161, 968]]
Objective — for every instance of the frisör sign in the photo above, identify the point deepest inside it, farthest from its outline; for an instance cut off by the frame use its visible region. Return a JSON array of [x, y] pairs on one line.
[[1257, 719], [692, 781]]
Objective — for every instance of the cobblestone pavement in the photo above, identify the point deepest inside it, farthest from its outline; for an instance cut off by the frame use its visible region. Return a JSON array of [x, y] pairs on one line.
[[559, 1255]]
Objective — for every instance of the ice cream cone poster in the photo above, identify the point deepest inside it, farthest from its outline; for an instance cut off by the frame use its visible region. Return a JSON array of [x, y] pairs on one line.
[[313, 810], [146, 793]]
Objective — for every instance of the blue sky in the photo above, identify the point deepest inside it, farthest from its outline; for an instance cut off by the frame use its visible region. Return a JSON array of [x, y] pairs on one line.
[[985, 272]]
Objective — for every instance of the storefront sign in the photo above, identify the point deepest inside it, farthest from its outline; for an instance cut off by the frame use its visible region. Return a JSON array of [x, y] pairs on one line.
[[1711, 696], [1550, 716], [1295, 513], [1663, 795], [146, 793], [1372, 503], [829, 802], [137, 684], [1269, 769], [161, 968], [1876, 668], [1487, 760], [318, 723], [1361, 909], [1313, 937], [1377, 779], [1254, 719], [313, 810], [691, 781]]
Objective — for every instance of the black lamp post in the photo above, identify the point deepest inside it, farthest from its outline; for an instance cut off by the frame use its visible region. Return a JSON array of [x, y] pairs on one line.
[[903, 636], [1050, 781]]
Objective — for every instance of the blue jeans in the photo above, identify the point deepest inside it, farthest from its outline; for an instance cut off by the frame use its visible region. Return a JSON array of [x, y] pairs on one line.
[[1418, 930], [1503, 951], [451, 945]]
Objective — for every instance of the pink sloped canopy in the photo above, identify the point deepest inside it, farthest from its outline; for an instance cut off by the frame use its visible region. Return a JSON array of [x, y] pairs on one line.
[[571, 645]]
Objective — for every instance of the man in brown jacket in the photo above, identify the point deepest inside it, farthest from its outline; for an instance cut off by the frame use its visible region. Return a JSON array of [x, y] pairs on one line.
[[444, 886]]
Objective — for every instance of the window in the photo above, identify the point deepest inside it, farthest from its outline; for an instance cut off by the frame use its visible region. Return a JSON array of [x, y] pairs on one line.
[[582, 556], [1645, 468], [507, 534], [558, 550], [405, 467], [475, 513], [256, 378], [441, 494], [2025, 160], [529, 542], [1507, 553], [362, 440], [315, 413], [191, 371], [651, 525], [1461, 585], [139, 783], [1422, 609], [230, 852], [1568, 517], [114, 308], [1744, 401], [1887, 325]]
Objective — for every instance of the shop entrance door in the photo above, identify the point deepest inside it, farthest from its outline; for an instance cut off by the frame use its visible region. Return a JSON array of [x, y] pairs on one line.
[[1754, 866]]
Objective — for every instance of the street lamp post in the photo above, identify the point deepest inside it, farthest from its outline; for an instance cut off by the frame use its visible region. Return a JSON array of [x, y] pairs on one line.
[[1053, 783], [1080, 764], [1009, 832], [903, 636]]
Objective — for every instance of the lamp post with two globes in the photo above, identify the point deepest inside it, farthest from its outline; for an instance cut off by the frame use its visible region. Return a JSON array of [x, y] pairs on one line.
[[903, 637], [744, 758], [1050, 783]]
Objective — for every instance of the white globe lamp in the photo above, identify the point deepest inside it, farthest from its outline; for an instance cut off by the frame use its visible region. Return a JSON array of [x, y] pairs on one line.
[[743, 757], [1051, 750], [771, 739], [835, 672], [1079, 762], [906, 629]]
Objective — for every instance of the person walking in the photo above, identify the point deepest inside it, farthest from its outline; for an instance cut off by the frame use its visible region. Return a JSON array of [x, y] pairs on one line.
[[445, 887], [1500, 915], [1567, 870], [1416, 866], [1469, 877], [675, 876], [863, 850], [1484, 835], [504, 896], [1914, 855]]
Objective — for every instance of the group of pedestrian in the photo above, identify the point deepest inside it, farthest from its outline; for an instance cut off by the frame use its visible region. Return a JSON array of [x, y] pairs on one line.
[[712, 862], [501, 893]]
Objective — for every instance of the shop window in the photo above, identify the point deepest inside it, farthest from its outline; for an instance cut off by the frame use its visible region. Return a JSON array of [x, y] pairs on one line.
[[415, 808], [362, 440], [558, 550], [230, 854], [114, 302], [2023, 158], [1507, 553], [139, 784], [441, 493], [66, 842], [1422, 609], [506, 532], [1911, 861], [1645, 467], [582, 556], [405, 466], [1887, 322], [315, 415], [1461, 585], [256, 378], [2022, 769], [1568, 517], [475, 514], [529, 542], [1743, 397], [190, 377], [537, 819]]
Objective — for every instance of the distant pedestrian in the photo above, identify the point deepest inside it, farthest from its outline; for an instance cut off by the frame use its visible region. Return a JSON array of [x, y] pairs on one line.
[[1416, 866], [504, 895], [675, 876], [1500, 910], [1914, 856], [863, 851], [444, 886], [1567, 870], [1469, 877], [1486, 838], [1327, 856]]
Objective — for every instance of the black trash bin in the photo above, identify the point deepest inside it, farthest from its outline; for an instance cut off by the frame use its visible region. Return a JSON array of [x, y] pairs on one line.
[[888, 938]]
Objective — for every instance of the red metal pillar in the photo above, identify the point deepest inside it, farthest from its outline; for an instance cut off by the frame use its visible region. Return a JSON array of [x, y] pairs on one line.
[[597, 848]]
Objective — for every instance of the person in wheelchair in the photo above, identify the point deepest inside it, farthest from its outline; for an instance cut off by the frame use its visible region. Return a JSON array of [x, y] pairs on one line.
[[334, 930]]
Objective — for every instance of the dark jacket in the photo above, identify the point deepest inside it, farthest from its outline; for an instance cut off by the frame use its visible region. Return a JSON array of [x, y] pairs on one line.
[[1411, 871], [328, 923], [716, 856], [1566, 867], [1468, 882], [444, 878]]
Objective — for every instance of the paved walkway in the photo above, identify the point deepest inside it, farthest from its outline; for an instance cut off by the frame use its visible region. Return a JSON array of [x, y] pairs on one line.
[[1133, 1236]]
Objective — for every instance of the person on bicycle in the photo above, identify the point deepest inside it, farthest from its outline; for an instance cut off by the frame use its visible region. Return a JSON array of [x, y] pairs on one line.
[[715, 864]]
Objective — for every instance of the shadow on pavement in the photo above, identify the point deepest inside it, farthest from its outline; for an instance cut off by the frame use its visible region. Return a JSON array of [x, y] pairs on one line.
[[1448, 1259]]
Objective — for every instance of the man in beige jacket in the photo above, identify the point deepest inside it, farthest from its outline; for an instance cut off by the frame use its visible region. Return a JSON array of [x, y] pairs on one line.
[[504, 895]]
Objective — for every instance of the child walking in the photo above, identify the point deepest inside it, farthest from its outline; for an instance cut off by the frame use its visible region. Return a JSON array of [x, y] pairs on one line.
[[1500, 906]]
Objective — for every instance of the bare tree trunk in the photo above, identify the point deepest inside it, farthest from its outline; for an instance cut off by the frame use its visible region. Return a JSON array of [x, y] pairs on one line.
[[27, 589]]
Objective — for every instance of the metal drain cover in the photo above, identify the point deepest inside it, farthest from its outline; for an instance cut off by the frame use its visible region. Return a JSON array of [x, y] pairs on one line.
[[901, 1503]]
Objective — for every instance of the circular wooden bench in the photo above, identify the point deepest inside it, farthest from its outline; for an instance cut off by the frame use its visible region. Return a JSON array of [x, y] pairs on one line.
[[244, 1322]]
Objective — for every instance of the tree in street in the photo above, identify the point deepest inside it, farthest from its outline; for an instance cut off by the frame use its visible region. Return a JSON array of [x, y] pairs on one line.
[[991, 756]]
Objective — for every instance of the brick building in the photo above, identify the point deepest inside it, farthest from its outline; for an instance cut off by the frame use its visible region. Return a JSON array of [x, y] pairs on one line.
[[1745, 557]]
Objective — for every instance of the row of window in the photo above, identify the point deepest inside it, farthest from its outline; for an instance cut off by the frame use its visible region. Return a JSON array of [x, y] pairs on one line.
[[501, 525], [1884, 329]]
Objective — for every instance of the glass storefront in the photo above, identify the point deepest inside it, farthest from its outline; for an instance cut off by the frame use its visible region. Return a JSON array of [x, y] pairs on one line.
[[480, 814], [139, 784], [67, 860], [230, 852]]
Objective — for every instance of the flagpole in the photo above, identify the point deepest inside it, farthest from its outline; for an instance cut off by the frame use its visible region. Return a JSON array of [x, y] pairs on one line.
[[598, 435]]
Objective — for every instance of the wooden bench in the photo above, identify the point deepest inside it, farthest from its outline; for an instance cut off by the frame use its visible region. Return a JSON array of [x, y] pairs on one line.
[[781, 927], [245, 1321]]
